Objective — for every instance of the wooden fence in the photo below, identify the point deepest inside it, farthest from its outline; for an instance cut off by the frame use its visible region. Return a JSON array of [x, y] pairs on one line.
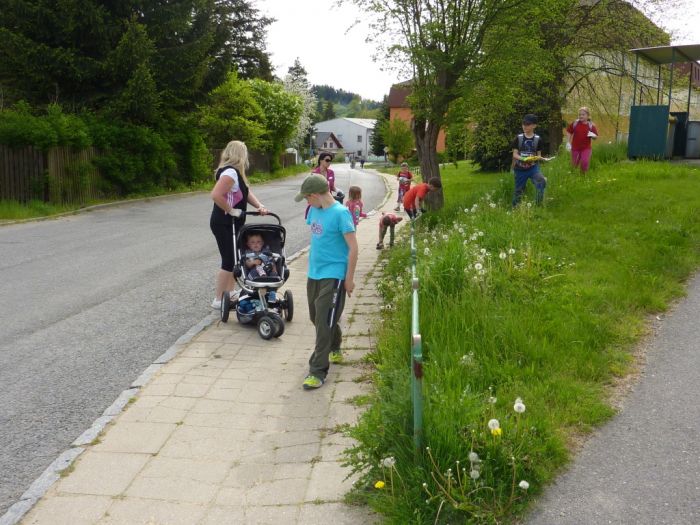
[[60, 176]]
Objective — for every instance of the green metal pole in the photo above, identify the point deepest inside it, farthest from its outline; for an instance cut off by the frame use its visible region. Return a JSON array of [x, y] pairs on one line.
[[634, 91], [416, 352]]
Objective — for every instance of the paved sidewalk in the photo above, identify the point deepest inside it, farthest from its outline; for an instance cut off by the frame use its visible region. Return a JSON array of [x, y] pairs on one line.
[[225, 434]]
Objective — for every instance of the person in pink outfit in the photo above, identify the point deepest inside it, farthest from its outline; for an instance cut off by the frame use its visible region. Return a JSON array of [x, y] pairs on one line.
[[354, 204], [579, 135]]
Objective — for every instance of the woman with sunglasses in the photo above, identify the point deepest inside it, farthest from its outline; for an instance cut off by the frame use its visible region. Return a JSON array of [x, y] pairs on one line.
[[324, 168]]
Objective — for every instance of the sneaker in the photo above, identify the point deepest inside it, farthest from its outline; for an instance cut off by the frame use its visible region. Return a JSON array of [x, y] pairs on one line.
[[312, 382], [216, 304], [380, 246], [336, 357], [397, 208]]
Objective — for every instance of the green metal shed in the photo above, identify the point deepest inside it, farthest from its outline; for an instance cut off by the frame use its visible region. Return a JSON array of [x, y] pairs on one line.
[[653, 127]]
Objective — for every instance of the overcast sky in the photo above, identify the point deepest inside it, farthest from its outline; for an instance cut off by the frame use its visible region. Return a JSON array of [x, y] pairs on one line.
[[315, 31]]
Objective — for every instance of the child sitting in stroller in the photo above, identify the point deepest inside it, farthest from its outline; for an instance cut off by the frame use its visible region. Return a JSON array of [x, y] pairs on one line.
[[259, 259]]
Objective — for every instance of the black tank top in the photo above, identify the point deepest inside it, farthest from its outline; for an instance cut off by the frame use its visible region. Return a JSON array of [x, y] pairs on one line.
[[219, 216]]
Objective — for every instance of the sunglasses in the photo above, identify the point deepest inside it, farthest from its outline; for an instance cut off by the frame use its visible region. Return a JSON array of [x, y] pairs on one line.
[[327, 160]]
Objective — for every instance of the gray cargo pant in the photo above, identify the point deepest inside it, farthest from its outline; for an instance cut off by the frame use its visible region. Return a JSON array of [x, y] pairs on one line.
[[326, 302]]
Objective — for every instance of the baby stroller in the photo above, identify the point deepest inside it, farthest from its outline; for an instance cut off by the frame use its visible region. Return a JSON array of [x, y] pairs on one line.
[[259, 301]]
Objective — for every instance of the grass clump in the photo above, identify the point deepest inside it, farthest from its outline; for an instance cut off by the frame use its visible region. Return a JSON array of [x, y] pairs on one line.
[[533, 307]]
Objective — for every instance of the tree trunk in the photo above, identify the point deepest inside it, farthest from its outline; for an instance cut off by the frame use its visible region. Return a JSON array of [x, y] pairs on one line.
[[426, 135], [554, 128]]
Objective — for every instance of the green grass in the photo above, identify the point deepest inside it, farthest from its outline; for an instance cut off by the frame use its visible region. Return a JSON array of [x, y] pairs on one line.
[[561, 298], [13, 210]]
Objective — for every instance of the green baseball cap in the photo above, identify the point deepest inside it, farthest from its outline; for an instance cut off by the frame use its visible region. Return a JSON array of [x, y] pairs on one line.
[[312, 184]]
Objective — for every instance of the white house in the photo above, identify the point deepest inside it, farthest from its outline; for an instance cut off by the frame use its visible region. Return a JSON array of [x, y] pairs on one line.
[[354, 134]]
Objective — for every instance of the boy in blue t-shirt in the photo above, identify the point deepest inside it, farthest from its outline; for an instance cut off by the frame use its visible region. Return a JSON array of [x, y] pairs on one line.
[[332, 262], [527, 146]]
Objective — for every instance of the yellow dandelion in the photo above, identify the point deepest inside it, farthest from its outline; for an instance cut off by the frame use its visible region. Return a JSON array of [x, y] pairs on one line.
[[379, 485], [496, 431]]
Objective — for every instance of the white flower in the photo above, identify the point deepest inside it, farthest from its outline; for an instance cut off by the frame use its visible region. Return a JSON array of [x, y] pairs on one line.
[[475, 278], [511, 251], [492, 204], [494, 424], [445, 237], [482, 251], [480, 234], [473, 457], [465, 242], [466, 210], [474, 474], [529, 205], [478, 266], [502, 255], [467, 359], [524, 485], [492, 400], [482, 272], [519, 406], [426, 251], [473, 237], [388, 462]]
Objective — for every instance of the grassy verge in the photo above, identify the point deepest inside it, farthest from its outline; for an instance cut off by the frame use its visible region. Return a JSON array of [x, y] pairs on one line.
[[13, 210], [541, 304]]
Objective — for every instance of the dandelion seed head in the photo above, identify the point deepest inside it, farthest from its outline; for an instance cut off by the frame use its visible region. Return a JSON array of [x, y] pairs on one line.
[[473, 457], [388, 462], [519, 407], [524, 485], [445, 237], [492, 204], [493, 424], [478, 266], [529, 205], [426, 251], [482, 251], [511, 251], [480, 234], [502, 255], [492, 400], [474, 474]]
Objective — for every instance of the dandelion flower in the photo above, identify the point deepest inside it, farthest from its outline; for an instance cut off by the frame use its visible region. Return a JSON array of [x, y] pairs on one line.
[[494, 424], [492, 204], [478, 266], [480, 234], [473, 457], [388, 462], [492, 400], [474, 474], [519, 406], [445, 237], [502, 255], [482, 272], [426, 251], [466, 210], [379, 485], [524, 485], [529, 205], [482, 251], [511, 251], [496, 432]]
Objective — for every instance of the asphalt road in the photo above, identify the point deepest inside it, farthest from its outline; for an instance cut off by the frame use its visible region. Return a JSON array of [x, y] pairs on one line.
[[90, 300], [643, 467]]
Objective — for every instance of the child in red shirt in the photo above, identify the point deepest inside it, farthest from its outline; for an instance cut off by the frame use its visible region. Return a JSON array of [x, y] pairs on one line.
[[387, 222], [413, 200], [579, 135], [404, 176]]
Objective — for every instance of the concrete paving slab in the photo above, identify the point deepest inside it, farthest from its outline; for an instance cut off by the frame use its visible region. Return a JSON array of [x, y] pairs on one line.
[[69, 510], [135, 437], [137, 511], [88, 476]]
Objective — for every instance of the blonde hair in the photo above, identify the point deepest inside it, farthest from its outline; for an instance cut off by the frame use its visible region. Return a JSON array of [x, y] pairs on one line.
[[355, 193], [584, 108], [235, 154]]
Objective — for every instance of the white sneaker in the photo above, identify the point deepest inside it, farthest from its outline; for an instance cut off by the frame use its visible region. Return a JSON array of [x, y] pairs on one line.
[[216, 304]]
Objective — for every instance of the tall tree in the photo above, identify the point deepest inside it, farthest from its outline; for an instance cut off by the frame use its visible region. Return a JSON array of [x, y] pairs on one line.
[[328, 111], [443, 42], [377, 141], [297, 84]]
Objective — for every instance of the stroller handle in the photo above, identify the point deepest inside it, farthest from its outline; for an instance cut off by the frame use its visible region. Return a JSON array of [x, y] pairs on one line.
[[257, 213]]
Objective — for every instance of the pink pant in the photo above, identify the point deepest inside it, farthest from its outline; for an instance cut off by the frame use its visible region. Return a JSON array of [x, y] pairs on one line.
[[581, 158]]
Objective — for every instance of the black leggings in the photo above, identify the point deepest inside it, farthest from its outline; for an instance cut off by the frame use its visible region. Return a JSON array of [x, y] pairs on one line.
[[224, 239]]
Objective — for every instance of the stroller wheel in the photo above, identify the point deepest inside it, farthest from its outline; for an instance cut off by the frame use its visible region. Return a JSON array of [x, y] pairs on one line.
[[288, 305], [267, 327], [225, 306], [279, 323]]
